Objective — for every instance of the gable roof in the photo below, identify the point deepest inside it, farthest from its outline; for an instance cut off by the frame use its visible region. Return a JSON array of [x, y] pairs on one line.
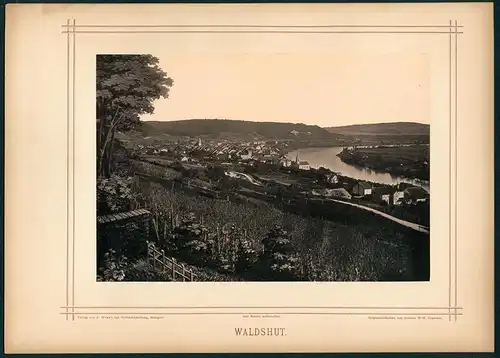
[[364, 185], [403, 186], [303, 163], [417, 192]]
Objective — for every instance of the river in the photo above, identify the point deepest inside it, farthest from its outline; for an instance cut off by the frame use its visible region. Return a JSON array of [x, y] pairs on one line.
[[327, 158]]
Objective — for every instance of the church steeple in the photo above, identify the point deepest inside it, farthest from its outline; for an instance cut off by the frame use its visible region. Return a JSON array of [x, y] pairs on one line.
[[297, 157]]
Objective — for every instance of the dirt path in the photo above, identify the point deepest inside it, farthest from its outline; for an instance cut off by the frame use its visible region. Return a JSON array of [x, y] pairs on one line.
[[409, 224]]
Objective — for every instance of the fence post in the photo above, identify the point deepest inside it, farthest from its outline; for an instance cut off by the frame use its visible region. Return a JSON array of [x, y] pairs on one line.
[[148, 226], [183, 273], [147, 252], [191, 274], [173, 269], [163, 260], [235, 254], [217, 238], [154, 258], [172, 224]]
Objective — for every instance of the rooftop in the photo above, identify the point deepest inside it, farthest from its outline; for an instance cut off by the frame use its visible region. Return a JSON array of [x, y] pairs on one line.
[[417, 192], [365, 185]]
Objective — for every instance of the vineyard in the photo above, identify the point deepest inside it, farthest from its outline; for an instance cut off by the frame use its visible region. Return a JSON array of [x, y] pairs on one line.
[[333, 251]]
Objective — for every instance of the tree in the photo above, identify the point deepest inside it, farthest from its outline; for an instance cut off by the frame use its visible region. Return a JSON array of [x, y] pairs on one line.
[[114, 194], [227, 185], [215, 172], [127, 85]]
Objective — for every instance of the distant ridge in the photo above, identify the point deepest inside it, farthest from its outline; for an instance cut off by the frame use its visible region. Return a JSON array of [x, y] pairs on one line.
[[218, 127], [386, 129]]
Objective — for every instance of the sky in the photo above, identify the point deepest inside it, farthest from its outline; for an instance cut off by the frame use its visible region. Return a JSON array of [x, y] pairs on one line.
[[318, 89]]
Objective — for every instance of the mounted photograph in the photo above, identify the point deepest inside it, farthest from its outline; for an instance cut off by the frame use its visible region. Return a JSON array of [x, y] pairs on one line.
[[262, 167]]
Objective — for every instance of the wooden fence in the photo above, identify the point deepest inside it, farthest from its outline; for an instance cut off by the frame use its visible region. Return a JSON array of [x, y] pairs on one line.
[[158, 259]]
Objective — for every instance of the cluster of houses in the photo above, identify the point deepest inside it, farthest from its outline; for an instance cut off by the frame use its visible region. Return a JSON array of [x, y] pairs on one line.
[[259, 150], [401, 194], [224, 150], [391, 195]]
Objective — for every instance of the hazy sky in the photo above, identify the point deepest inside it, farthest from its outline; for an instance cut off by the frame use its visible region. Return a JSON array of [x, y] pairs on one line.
[[319, 89]]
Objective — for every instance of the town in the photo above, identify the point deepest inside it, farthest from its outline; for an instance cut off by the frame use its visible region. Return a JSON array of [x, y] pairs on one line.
[[263, 164]]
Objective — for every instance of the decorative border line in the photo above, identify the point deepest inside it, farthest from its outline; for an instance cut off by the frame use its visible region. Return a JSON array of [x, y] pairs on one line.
[[453, 162], [266, 26], [74, 29], [70, 294], [263, 307], [456, 167], [70, 178], [257, 32], [67, 172], [267, 313]]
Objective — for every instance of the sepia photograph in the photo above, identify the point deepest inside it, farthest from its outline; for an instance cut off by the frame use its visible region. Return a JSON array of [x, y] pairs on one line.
[[262, 167], [267, 167]]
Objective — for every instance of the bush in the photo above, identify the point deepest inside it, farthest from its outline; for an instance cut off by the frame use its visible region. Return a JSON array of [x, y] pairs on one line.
[[114, 267], [142, 271], [114, 194]]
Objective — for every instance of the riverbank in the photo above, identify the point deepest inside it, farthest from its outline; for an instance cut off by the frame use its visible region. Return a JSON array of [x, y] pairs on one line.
[[405, 161]]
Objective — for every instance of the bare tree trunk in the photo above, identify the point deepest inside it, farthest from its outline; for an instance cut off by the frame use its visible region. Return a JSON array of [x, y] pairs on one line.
[[109, 154], [107, 133], [101, 114]]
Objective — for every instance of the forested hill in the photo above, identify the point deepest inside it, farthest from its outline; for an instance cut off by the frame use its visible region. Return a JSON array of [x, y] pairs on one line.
[[384, 129], [221, 127]]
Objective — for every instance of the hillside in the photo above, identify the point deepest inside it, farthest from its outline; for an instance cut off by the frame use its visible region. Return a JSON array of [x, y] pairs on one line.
[[383, 129], [237, 128]]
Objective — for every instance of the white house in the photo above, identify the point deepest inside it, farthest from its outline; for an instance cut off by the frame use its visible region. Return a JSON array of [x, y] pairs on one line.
[[303, 165], [362, 189], [246, 155], [416, 195], [398, 197], [332, 178]]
